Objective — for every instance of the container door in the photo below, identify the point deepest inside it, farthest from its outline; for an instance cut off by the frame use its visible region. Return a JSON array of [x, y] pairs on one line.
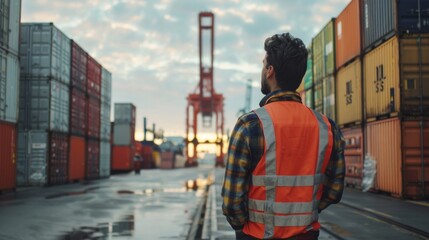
[[104, 159], [7, 157], [12, 93], [14, 22], [37, 158]]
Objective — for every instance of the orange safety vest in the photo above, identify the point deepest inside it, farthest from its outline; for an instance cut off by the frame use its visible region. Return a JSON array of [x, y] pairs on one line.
[[287, 183]]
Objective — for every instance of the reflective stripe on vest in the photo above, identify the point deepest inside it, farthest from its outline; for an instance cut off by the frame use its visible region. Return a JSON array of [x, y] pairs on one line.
[[307, 211]]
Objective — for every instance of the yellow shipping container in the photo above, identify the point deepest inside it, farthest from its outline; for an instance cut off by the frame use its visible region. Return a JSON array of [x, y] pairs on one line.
[[381, 79], [349, 94]]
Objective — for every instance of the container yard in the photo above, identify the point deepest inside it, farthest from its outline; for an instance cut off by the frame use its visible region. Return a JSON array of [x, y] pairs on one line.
[[77, 91]]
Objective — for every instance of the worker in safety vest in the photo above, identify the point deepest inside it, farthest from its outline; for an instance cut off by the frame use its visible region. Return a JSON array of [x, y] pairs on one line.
[[285, 161]]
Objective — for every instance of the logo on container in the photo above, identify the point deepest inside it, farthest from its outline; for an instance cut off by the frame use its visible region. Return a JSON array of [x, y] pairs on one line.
[[379, 82], [349, 92]]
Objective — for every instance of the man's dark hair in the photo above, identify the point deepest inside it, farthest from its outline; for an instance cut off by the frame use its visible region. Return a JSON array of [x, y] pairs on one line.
[[288, 56]]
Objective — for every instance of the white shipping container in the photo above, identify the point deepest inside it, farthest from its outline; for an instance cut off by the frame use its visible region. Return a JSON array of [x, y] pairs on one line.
[[106, 86], [14, 22], [104, 159], [105, 127], [9, 87], [124, 113], [44, 105], [123, 134], [32, 167], [45, 52]]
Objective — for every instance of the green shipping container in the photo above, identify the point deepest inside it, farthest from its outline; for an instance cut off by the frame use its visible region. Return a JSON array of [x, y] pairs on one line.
[[318, 97], [308, 77], [309, 98], [323, 47]]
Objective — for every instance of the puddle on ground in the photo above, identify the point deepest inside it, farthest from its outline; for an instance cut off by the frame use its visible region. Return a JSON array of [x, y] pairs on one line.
[[65, 194], [122, 228]]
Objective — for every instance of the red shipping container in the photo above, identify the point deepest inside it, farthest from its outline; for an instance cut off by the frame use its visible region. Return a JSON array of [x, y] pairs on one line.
[[58, 158], [7, 156], [77, 159], [92, 159], [347, 37], [122, 158], [93, 74], [167, 160], [93, 117], [78, 67], [78, 112], [146, 153], [353, 154]]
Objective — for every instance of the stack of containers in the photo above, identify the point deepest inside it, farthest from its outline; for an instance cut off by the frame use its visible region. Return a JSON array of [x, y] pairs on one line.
[[396, 92], [44, 108], [308, 82], [123, 137], [78, 113], [93, 95], [9, 87], [349, 89], [323, 49], [105, 133]]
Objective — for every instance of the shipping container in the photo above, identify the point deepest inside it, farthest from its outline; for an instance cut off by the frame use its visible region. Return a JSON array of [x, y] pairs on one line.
[[14, 26], [45, 52], [92, 163], [167, 160], [42, 158], [413, 90], [106, 86], [93, 75], [78, 112], [382, 19], [308, 77], [9, 87], [353, 154], [347, 38], [324, 52], [309, 98], [123, 158], [349, 94], [318, 97], [105, 121], [4, 22], [381, 77], [329, 97], [125, 113], [8, 143], [77, 155], [124, 134], [147, 153], [105, 157], [402, 162], [44, 105], [93, 117], [78, 67]]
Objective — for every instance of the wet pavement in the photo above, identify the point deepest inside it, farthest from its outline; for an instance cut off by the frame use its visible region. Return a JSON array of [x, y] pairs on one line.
[[153, 205]]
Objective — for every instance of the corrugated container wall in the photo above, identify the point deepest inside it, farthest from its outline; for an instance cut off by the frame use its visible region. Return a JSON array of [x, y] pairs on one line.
[[9, 87], [329, 97], [309, 98], [78, 112], [308, 77], [381, 76], [106, 89], [349, 94], [92, 159], [14, 25], [106, 86], [386, 133], [44, 105], [77, 154], [78, 67], [125, 113], [7, 156], [45, 52], [42, 158], [4, 23], [381, 19], [93, 74], [318, 97], [105, 162], [122, 157], [411, 69], [347, 37], [324, 52], [318, 55], [93, 117], [353, 154]]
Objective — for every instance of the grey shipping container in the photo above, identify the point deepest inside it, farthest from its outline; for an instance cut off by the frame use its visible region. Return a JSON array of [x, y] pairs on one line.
[[123, 134], [44, 105], [105, 158], [106, 86], [42, 158], [383, 19], [9, 87], [14, 25], [4, 22], [125, 113], [45, 52], [105, 121]]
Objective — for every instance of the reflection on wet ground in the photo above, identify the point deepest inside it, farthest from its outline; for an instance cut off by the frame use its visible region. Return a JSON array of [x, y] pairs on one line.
[[122, 228], [65, 194]]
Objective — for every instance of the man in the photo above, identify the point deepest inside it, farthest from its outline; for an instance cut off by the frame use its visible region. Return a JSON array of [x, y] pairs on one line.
[[285, 161]]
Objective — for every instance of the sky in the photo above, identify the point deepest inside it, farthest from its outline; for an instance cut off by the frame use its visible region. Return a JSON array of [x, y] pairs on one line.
[[151, 47]]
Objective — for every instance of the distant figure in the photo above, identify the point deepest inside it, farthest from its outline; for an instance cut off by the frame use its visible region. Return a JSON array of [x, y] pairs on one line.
[[285, 161]]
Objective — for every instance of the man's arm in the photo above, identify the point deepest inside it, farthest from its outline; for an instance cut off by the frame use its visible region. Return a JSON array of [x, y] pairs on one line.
[[235, 186], [335, 172]]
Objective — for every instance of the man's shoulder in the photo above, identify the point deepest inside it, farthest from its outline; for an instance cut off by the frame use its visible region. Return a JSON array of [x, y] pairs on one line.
[[248, 119]]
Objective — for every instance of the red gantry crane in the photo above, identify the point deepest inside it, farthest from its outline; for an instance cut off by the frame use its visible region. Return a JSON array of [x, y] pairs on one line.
[[205, 100]]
